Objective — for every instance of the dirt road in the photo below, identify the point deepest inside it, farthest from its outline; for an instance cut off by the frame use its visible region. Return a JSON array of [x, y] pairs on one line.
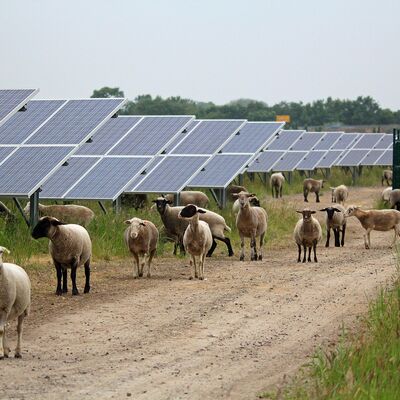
[[229, 337]]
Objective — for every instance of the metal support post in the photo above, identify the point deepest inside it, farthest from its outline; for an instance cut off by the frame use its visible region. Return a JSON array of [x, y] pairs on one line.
[[177, 199], [102, 207], [117, 205], [34, 209], [290, 177], [215, 197], [223, 198], [241, 180], [396, 159], [21, 210]]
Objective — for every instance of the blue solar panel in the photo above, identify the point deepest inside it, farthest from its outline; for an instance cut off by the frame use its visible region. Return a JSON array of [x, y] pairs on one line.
[[108, 135], [310, 161], [108, 178], [368, 140], [386, 158], [385, 142], [24, 171], [220, 171], [13, 100], [289, 161], [307, 141], [5, 151], [75, 121], [66, 176], [208, 136], [372, 157], [252, 137], [328, 160], [265, 161], [284, 140], [328, 140], [345, 141], [171, 175], [151, 135], [17, 129], [352, 158], [154, 162]]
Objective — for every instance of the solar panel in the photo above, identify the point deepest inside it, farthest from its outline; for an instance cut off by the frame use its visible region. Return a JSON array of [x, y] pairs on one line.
[[151, 135], [171, 174], [265, 161], [368, 140], [108, 135], [107, 179], [252, 137], [345, 141], [66, 176], [352, 158], [23, 172], [149, 167], [208, 136], [289, 161], [372, 157], [328, 140], [220, 171], [307, 141], [284, 140], [5, 152], [22, 124], [386, 158], [385, 142], [328, 160], [310, 161], [13, 100], [76, 121]]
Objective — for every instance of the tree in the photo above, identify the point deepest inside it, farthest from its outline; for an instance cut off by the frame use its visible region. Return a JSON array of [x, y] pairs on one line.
[[107, 92]]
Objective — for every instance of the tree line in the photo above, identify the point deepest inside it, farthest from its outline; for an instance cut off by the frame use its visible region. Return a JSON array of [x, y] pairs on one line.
[[364, 110]]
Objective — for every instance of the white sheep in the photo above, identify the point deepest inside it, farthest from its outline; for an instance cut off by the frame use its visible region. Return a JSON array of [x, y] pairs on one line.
[[276, 182], [186, 197], [311, 185], [378, 220], [70, 246], [68, 213], [197, 238], [251, 222], [336, 221], [387, 175], [15, 301], [394, 199], [141, 238], [307, 233], [254, 202], [386, 194], [340, 194]]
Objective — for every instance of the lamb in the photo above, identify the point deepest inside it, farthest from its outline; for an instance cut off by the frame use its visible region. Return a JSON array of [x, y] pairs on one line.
[[311, 185], [176, 227], [197, 238], [386, 194], [336, 221], [252, 223], [70, 246], [307, 233], [394, 199], [387, 175], [15, 301], [378, 220], [69, 213], [340, 194], [235, 189], [186, 197], [276, 182], [254, 202], [141, 238]]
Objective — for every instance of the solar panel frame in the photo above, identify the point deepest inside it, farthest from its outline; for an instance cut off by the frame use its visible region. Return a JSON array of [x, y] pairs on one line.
[[311, 160], [267, 159], [385, 142], [368, 141], [346, 141], [329, 158], [386, 159], [372, 157], [284, 140], [329, 139], [352, 158], [307, 141], [291, 158]]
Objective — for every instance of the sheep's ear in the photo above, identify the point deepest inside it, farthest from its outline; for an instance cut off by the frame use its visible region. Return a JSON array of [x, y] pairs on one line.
[[56, 222], [313, 212], [332, 188], [201, 211], [337, 210], [235, 195], [154, 201], [170, 202], [4, 250], [300, 212], [127, 222], [324, 209], [143, 223]]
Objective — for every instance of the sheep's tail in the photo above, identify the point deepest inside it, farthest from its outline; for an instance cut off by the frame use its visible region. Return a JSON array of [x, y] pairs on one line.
[[226, 228]]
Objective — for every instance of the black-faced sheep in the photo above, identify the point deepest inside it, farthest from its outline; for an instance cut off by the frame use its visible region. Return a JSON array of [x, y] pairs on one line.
[[336, 221]]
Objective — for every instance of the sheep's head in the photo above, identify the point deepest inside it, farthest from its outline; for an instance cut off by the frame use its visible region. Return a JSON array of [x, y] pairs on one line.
[[351, 210], [4, 250], [330, 211], [244, 198], [161, 204], [135, 225], [46, 227], [190, 211], [254, 201], [307, 214]]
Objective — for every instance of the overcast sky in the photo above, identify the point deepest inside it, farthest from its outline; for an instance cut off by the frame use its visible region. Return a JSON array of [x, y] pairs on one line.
[[208, 50]]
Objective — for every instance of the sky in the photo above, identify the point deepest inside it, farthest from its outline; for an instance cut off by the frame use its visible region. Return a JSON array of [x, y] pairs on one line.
[[206, 50]]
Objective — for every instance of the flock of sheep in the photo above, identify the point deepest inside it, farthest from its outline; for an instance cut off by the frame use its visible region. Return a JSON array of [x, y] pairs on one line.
[[191, 226]]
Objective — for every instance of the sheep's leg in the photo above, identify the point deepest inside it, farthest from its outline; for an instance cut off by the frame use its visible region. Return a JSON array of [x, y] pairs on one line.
[[227, 241], [149, 263], [315, 250], [141, 265], [305, 193], [260, 257], [317, 197], [181, 247], [253, 247], [305, 253], [6, 349], [175, 248], [75, 290], [201, 267], [241, 247], [309, 254], [65, 280], [3, 321], [213, 246], [135, 266], [336, 231], [19, 332], [59, 271], [367, 238], [299, 257], [280, 192], [328, 236], [196, 275], [343, 232], [87, 277]]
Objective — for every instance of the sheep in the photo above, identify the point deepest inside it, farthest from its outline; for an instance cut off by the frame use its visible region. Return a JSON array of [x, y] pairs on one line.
[[235, 189], [378, 220], [251, 222], [340, 194], [386, 194], [311, 185], [68, 213], [70, 246], [394, 199], [307, 233], [336, 221], [197, 238], [15, 301], [387, 175], [176, 227], [253, 202], [186, 197], [276, 182], [141, 238]]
